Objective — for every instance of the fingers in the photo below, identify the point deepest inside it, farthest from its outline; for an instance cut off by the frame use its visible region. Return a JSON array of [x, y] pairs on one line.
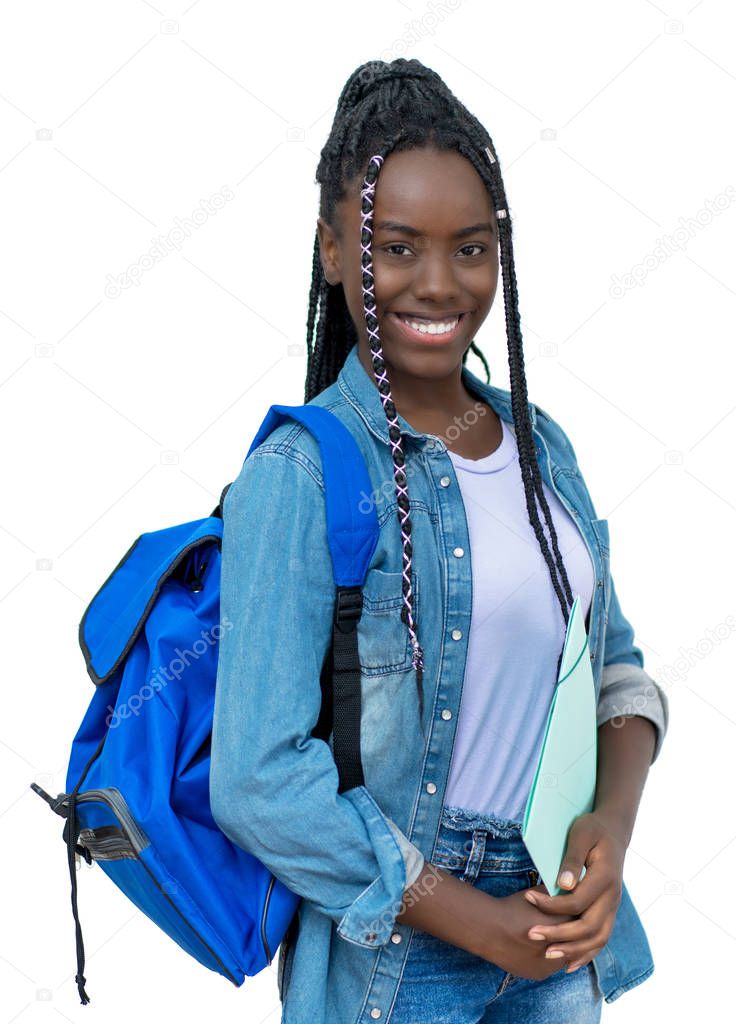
[[579, 930], [574, 903], [575, 953]]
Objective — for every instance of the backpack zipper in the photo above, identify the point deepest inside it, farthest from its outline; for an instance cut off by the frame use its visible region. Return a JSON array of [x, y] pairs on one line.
[[267, 901], [107, 842], [115, 801]]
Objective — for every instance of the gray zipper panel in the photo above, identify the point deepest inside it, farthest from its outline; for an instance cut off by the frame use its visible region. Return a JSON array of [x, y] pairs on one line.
[[106, 842], [114, 800]]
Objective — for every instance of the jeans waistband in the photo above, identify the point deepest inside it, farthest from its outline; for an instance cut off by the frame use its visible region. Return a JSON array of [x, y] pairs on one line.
[[475, 844], [464, 820]]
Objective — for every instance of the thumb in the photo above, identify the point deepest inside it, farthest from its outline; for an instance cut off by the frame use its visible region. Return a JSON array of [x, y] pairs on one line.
[[579, 843], [570, 869]]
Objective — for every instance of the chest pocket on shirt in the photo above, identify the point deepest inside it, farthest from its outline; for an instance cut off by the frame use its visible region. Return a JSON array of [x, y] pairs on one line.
[[383, 638], [600, 528]]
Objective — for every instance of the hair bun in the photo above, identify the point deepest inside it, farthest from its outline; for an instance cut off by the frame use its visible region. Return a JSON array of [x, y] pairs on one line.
[[370, 76]]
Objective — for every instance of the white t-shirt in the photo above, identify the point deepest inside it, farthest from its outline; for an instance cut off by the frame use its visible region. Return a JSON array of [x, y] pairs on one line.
[[516, 633]]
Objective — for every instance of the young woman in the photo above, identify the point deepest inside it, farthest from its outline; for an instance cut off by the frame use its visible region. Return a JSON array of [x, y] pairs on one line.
[[420, 901]]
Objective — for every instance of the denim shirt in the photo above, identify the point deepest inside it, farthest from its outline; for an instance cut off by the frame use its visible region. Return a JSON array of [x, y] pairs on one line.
[[273, 787]]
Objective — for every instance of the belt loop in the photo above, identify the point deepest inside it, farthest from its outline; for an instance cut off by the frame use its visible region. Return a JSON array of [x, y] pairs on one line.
[[476, 855]]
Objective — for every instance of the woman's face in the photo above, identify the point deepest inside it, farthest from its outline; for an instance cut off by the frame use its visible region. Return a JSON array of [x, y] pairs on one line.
[[435, 256]]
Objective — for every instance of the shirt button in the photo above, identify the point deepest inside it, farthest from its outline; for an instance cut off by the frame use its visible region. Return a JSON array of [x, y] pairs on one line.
[[600, 583], [446, 714], [445, 481], [375, 1013], [430, 446], [431, 788], [371, 937], [458, 552], [396, 937], [457, 634]]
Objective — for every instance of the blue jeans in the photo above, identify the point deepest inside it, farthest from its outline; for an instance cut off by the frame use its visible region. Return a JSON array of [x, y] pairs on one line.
[[443, 984]]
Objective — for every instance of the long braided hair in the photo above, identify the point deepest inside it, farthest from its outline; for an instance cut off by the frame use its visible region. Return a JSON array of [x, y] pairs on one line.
[[384, 108]]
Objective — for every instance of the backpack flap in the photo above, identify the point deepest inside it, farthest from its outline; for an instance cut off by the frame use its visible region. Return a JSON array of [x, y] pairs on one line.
[[117, 613]]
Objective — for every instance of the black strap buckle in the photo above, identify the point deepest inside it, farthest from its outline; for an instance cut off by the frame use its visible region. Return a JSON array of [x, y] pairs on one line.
[[348, 608]]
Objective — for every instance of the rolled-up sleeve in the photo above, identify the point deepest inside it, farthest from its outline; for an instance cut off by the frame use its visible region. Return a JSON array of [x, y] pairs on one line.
[[413, 856], [274, 786], [626, 688]]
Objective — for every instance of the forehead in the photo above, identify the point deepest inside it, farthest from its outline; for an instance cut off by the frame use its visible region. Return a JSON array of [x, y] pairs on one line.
[[435, 192]]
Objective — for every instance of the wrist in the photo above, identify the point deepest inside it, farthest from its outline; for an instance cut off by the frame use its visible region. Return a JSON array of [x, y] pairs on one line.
[[491, 934], [618, 822]]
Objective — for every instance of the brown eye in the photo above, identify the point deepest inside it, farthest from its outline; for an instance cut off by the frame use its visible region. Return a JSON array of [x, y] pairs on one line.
[[395, 245], [475, 245]]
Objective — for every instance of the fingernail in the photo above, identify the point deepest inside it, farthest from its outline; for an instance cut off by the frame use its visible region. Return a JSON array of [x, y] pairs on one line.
[[566, 880], [552, 953], [571, 968], [530, 896], [537, 935]]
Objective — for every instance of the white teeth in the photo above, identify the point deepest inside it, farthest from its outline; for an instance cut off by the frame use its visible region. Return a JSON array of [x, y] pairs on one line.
[[439, 327]]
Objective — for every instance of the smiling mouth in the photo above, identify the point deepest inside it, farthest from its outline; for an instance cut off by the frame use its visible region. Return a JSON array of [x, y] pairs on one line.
[[429, 329]]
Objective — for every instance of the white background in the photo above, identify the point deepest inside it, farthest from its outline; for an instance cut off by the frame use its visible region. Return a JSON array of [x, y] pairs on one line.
[[125, 414]]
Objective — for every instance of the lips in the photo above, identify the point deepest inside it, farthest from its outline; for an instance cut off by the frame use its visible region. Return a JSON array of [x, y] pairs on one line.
[[424, 337]]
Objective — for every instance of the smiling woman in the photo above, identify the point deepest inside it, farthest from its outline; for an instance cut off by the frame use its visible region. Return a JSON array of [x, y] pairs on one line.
[[412, 235]]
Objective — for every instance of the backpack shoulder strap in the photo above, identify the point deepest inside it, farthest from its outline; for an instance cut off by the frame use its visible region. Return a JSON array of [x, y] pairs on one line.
[[352, 530], [352, 534]]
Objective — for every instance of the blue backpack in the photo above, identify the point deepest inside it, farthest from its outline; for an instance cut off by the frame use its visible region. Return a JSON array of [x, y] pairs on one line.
[[137, 799]]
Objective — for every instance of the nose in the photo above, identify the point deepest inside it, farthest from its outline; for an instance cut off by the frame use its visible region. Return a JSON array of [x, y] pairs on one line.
[[435, 279]]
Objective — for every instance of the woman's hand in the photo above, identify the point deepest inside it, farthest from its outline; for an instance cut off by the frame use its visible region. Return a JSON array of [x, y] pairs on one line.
[[593, 841], [509, 945]]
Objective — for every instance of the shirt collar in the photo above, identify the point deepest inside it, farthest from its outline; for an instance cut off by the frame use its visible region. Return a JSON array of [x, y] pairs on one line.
[[361, 391]]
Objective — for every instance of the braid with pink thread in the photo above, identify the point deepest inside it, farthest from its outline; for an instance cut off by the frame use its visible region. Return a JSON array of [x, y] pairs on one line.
[[384, 388]]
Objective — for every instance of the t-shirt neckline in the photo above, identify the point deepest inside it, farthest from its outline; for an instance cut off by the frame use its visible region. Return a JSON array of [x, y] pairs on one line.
[[497, 460]]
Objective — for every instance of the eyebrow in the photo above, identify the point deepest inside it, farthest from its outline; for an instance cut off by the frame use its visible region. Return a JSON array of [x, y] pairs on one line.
[[405, 229]]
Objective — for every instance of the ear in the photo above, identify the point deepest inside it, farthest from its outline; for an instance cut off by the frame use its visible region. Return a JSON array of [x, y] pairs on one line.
[[329, 252]]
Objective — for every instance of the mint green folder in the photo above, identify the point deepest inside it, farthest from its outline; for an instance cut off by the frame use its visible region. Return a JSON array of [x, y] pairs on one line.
[[565, 779]]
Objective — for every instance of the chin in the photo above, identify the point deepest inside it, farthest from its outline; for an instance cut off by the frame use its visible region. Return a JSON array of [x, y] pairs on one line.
[[424, 364]]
